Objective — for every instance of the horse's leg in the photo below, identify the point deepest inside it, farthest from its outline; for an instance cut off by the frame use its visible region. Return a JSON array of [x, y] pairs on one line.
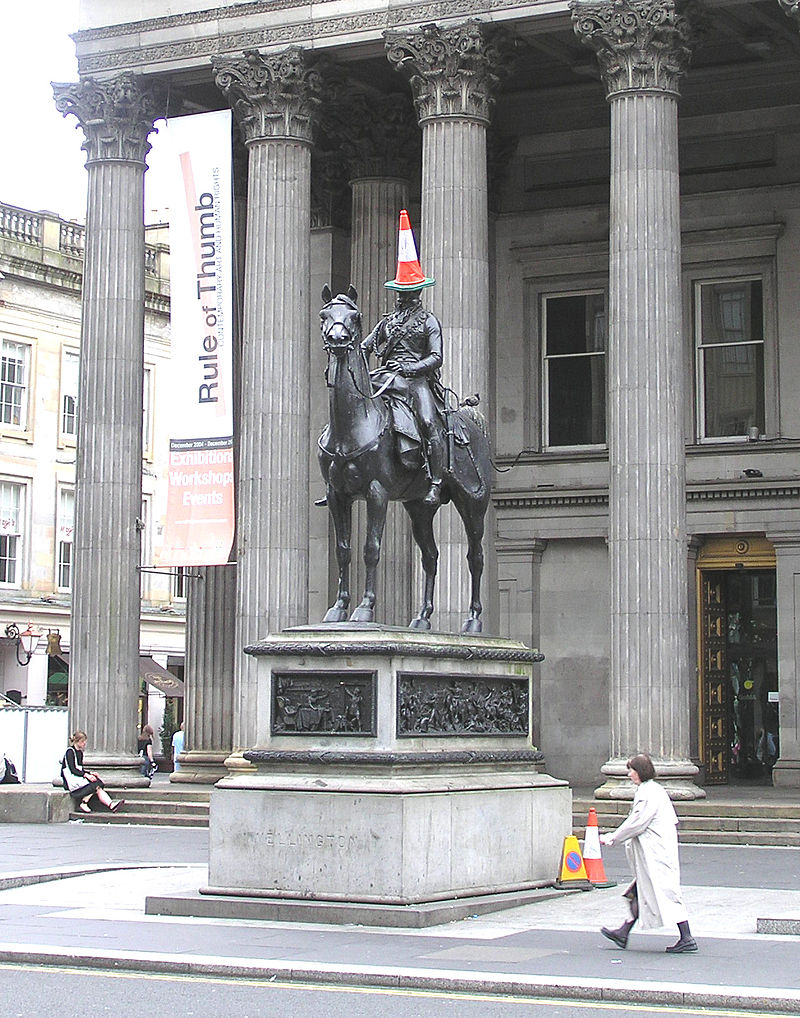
[[341, 510], [377, 502], [422, 529], [473, 514]]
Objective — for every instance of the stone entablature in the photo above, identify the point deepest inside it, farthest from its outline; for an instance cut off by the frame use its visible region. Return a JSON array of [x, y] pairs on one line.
[[43, 247], [196, 37]]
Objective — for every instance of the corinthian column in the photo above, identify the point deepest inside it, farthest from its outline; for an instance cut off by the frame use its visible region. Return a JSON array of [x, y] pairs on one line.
[[275, 99], [117, 118], [454, 74], [380, 143], [643, 48]]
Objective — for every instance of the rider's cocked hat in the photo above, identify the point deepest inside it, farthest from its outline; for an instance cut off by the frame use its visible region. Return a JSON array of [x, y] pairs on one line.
[[409, 274]]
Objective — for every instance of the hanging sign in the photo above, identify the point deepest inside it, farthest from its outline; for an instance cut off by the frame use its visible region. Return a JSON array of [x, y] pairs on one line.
[[200, 503]]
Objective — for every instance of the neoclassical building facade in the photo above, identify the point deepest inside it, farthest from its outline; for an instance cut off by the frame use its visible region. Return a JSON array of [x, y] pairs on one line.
[[607, 195]]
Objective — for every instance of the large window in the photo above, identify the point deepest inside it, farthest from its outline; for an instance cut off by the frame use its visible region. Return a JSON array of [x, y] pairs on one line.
[[729, 335], [69, 393], [14, 373], [574, 369], [12, 502], [66, 522]]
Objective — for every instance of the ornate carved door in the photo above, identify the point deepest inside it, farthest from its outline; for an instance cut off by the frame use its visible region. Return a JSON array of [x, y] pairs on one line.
[[716, 734]]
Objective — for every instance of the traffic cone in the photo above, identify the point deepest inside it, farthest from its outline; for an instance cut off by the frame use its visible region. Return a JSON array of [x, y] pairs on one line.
[[573, 871], [409, 273], [592, 857]]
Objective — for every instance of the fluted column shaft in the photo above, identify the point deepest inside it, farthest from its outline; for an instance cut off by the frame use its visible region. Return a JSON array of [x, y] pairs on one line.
[[274, 99], [455, 252], [642, 47], [376, 204], [117, 117], [454, 74]]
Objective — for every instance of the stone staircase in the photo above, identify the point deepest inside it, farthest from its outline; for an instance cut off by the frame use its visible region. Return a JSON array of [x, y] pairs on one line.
[[162, 804], [767, 819]]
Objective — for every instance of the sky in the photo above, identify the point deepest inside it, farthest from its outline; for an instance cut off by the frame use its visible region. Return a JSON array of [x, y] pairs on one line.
[[43, 164]]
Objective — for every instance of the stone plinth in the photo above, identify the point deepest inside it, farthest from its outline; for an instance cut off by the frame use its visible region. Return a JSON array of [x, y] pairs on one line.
[[393, 768]]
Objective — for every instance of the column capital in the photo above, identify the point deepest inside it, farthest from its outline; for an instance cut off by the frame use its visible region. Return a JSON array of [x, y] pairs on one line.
[[378, 134], [453, 72], [641, 45], [117, 115], [272, 96], [791, 9]]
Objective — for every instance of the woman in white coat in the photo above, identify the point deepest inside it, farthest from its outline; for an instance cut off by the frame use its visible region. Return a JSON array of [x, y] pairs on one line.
[[651, 845]]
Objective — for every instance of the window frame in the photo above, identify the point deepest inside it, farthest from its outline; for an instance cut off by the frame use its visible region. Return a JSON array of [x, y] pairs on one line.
[[68, 353], [25, 428], [543, 294], [744, 270], [62, 490], [23, 486]]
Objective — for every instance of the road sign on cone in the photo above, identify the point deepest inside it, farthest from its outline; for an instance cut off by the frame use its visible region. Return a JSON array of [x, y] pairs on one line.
[[592, 857], [573, 870], [409, 273]]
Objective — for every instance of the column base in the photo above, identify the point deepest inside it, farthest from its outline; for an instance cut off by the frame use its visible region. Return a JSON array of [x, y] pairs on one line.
[[676, 776], [786, 774], [235, 764], [199, 768], [117, 771]]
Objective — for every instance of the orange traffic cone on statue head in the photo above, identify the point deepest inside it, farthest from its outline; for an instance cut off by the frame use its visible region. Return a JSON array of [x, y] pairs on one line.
[[592, 857], [409, 272]]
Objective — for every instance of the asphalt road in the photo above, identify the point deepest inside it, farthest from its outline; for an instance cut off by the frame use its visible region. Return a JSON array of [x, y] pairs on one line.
[[32, 992]]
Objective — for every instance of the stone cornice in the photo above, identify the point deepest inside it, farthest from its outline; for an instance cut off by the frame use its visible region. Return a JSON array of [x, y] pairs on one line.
[[198, 48], [117, 116], [272, 96], [453, 72], [641, 45], [721, 492]]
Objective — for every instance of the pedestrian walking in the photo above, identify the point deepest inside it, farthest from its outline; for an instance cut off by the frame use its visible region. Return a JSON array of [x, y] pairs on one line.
[[81, 784], [149, 766], [177, 747], [651, 845]]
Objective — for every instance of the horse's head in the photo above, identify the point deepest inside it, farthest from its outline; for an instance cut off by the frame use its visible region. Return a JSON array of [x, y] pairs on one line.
[[340, 321]]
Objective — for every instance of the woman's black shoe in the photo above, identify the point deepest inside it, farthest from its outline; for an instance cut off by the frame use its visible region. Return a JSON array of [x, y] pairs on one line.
[[683, 946], [620, 936]]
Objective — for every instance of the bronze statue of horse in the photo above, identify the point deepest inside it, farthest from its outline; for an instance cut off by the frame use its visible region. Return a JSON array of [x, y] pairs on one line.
[[362, 456]]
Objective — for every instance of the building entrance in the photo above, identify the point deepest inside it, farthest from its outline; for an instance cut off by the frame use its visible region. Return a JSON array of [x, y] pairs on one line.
[[738, 673]]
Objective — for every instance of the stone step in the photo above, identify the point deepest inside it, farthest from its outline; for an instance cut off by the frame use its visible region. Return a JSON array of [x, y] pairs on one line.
[[779, 810], [140, 818], [165, 793], [740, 824]]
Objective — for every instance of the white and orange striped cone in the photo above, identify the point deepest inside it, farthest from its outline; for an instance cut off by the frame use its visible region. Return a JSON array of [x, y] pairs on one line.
[[592, 856], [409, 273]]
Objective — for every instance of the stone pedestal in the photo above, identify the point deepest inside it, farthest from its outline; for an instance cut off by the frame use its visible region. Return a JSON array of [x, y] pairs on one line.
[[394, 770]]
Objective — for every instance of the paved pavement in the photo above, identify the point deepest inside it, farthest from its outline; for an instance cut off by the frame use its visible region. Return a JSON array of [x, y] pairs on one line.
[[74, 893]]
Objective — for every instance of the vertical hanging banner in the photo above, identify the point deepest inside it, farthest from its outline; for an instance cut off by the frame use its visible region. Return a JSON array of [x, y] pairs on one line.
[[200, 503]]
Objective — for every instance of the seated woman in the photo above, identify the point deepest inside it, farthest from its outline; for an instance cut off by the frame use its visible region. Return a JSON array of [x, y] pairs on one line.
[[82, 784]]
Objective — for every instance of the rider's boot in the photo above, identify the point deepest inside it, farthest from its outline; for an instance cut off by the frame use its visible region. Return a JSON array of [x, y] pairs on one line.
[[436, 468]]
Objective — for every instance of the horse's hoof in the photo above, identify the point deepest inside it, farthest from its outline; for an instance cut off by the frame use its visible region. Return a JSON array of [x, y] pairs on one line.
[[335, 615], [362, 614], [472, 626], [419, 623]]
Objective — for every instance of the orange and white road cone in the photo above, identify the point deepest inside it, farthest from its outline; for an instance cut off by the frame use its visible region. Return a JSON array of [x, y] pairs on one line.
[[573, 871], [409, 273], [592, 857]]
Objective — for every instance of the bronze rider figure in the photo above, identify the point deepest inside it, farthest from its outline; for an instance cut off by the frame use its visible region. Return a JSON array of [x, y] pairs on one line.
[[408, 344]]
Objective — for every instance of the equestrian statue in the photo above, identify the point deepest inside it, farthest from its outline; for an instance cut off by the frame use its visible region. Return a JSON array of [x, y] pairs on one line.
[[397, 434]]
